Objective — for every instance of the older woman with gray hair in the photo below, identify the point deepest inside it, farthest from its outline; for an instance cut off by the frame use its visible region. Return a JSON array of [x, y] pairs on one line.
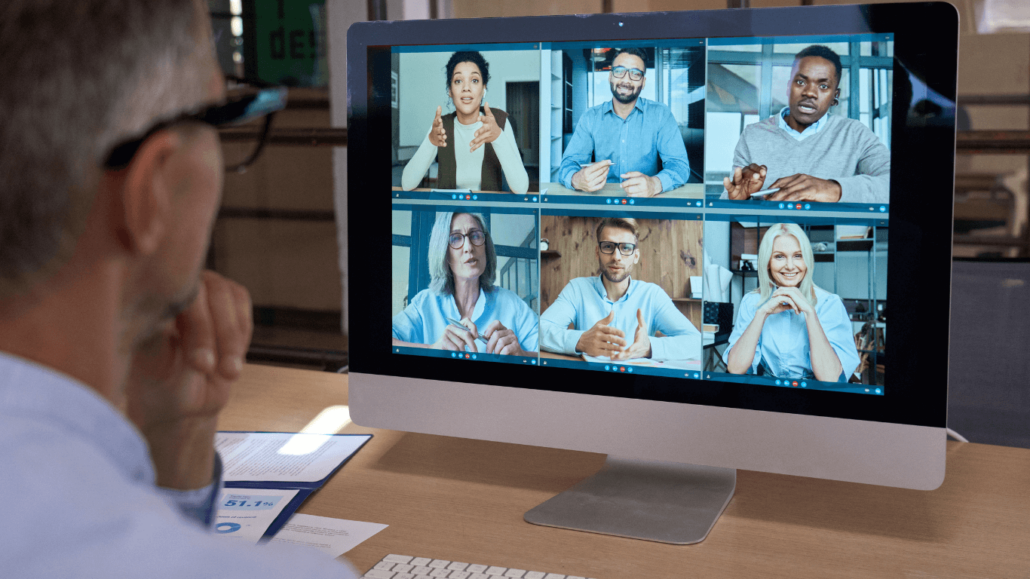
[[462, 310], [788, 327]]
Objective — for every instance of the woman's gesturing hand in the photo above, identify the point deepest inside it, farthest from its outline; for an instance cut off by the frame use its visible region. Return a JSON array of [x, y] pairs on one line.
[[488, 133], [438, 136], [502, 340], [787, 298], [455, 338]]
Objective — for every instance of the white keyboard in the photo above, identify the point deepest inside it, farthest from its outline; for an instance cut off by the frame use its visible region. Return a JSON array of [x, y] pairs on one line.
[[405, 567]]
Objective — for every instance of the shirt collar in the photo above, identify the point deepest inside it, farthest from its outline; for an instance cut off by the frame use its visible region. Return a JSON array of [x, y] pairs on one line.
[[811, 130], [609, 107], [29, 390], [599, 287]]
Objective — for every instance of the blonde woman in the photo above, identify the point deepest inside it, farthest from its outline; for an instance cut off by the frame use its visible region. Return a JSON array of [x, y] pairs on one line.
[[788, 327]]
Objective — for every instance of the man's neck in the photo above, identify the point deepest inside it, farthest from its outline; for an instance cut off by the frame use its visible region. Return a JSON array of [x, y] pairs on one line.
[[794, 124], [614, 290], [71, 323], [623, 109]]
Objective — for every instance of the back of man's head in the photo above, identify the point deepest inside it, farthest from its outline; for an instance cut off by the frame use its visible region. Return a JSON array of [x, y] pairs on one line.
[[77, 78]]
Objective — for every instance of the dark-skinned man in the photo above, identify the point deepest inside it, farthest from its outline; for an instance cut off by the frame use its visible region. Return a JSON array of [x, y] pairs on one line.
[[806, 153]]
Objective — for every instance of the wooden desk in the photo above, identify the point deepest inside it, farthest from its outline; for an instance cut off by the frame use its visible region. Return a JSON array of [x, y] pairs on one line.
[[464, 499]]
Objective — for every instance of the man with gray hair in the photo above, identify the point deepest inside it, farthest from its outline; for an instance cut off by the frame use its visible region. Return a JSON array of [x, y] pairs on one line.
[[117, 351]]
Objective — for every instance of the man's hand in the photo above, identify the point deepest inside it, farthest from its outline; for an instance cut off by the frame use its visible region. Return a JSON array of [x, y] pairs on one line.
[[488, 133], [746, 181], [637, 184], [592, 177], [501, 340], [455, 339], [180, 380], [437, 134], [641, 346], [602, 340], [803, 187]]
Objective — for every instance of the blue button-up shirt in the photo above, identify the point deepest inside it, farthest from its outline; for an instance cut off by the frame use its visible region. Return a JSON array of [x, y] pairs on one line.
[[584, 302], [81, 501], [811, 130], [783, 347], [425, 318], [634, 144]]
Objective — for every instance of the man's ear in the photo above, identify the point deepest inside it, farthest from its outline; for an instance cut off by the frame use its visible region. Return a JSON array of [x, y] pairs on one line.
[[146, 194]]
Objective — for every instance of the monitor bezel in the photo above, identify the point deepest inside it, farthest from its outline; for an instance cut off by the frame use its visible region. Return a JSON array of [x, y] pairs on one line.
[[919, 265]]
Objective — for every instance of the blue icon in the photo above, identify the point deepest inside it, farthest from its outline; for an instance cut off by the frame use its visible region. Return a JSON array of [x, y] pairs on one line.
[[608, 201], [454, 354], [777, 382], [533, 362], [473, 356], [630, 369], [534, 200], [699, 204], [453, 197], [697, 375], [877, 390], [781, 205], [804, 384], [631, 202], [474, 197], [607, 367], [883, 208], [223, 528], [808, 205]]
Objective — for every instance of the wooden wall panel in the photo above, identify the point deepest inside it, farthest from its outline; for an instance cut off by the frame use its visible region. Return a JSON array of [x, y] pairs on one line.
[[670, 252]]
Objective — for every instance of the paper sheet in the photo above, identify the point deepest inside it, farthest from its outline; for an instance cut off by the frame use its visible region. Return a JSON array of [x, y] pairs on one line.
[[283, 457], [333, 537], [245, 514]]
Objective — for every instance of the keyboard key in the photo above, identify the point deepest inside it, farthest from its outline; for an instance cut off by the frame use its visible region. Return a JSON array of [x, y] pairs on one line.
[[495, 571], [397, 559], [377, 574], [384, 566], [420, 561], [438, 564], [555, 576], [404, 576], [456, 566], [439, 573], [533, 575], [479, 576], [420, 570], [476, 568], [403, 568], [459, 575], [515, 573]]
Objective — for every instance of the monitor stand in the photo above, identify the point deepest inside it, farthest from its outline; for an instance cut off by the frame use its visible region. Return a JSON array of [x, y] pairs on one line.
[[655, 501]]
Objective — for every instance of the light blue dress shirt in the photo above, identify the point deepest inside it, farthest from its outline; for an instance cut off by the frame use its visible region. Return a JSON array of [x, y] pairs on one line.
[[783, 348], [810, 131], [425, 318], [634, 144], [80, 500], [584, 301]]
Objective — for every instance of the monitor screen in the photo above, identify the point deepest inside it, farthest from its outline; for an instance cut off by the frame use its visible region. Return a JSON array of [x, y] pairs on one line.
[[685, 208]]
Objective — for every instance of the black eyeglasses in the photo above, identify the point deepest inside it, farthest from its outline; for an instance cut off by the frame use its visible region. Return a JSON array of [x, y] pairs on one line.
[[237, 110], [608, 247], [634, 73], [476, 236]]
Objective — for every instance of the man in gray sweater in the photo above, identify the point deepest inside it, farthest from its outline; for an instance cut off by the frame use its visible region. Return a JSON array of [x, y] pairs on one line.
[[804, 152]]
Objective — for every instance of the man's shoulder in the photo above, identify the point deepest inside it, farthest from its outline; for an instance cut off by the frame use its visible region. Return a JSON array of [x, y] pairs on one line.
[[767, 126]]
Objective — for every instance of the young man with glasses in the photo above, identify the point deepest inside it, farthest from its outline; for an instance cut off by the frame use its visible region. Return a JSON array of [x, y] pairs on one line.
[[117, 351], [614, 315], [622, 139]]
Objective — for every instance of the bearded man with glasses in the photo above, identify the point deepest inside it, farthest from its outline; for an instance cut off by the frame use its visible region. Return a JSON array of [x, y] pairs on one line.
[[613, 315], [621, 140]]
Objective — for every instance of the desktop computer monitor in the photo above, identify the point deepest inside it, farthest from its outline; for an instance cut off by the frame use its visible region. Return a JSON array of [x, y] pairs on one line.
[[667, 237]]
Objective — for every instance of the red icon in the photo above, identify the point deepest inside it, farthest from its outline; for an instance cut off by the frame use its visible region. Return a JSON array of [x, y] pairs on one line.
[[467, 357], [798, 206], [622, 369], [794, 383], [470, 197]]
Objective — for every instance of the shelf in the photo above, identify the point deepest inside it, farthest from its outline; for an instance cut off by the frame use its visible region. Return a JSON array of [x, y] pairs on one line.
[[854, 245], [744, 273], [687, 300], [550, 253]]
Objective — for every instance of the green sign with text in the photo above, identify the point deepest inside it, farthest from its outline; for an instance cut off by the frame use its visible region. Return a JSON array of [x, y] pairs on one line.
[[290, 42]]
